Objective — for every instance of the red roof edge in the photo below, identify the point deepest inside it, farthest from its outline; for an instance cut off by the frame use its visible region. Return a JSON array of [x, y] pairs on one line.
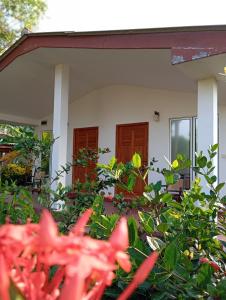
[[186, 43]]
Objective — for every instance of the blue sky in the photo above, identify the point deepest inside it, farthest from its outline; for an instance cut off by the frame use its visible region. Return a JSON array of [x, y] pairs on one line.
[[85, 15]]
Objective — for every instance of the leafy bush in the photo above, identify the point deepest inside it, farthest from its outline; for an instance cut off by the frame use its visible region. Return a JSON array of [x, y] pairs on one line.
[[16, 173], [189, 233], [186, 232], [16, 204], [28, 148]]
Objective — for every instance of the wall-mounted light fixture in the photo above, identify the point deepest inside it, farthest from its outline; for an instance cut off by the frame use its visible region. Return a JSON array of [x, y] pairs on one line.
[[44, 122], [156, 116]]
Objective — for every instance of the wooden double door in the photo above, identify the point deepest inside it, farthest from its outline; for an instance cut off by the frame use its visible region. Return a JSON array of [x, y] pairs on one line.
[[130, 138]]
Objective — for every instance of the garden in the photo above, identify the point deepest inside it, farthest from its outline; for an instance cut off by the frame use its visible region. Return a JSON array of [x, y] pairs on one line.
[[153, 246]]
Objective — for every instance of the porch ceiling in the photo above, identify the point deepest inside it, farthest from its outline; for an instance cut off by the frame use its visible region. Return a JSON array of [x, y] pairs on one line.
[[212, 66], [26, 85]]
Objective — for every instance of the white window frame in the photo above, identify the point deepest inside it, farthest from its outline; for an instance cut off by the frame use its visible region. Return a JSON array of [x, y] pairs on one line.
[[193, 121]]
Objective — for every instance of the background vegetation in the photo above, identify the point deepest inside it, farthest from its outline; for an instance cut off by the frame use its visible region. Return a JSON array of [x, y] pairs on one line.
[[15, 15]]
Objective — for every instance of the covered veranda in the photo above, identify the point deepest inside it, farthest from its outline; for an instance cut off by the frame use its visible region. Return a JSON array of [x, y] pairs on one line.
[[64, 81]]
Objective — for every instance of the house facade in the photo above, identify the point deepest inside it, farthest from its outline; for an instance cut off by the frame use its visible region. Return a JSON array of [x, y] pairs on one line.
[[157, 92]]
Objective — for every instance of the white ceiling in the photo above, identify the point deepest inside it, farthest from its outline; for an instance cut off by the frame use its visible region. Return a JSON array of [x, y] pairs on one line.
[[26, 85]]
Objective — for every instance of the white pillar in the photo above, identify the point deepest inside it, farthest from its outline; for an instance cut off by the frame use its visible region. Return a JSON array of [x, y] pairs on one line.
[[207, 129], [60, 121]]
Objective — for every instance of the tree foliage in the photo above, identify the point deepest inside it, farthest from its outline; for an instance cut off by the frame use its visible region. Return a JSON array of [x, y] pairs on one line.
[[15, 15]]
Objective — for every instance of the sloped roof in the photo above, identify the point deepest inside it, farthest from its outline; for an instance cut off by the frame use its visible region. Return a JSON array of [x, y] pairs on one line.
[[187, 43]]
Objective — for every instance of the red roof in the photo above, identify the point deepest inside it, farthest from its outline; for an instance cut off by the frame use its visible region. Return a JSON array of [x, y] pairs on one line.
[[186, 43]]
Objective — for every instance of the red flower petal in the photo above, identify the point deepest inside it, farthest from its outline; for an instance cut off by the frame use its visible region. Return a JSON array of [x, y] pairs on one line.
[[4, 279], [214, 265], [203, 260], [140, 275], [48, 229], [123, 260], [119, 238], [73, 288], [79, 227]]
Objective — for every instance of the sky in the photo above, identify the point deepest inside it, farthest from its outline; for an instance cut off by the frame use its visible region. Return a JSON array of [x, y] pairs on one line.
[[91, 15], [94, 15]]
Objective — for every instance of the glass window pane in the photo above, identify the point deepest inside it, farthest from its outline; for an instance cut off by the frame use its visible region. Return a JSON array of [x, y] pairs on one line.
[[181, 143]]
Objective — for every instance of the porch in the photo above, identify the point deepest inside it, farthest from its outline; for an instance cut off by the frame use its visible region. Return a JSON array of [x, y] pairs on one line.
[[62, 89]]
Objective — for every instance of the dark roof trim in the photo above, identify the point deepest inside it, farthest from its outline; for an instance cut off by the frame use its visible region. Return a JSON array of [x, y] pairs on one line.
[[186, 43], [132, 31]]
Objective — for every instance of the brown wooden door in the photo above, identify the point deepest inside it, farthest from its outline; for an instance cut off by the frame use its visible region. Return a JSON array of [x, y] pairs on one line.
[[131, 138], [84, 138]]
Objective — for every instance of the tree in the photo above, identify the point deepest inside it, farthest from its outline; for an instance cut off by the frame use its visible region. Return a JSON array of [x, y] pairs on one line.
[[15, 15]]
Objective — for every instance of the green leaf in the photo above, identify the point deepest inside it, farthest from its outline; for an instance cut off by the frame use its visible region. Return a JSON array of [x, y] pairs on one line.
[[180, 156], [209, 164], [112, 162], [175, 164], [148, 188], [204, 275], [169, 177], [202, 161], [219, 187], [157, 187], [214, 147], [171, 255], [133, 232], [163, 227], [155, 243], [131, 182], [182, 272], [136, 160], [166, 198], [147, 221], [211, 179]]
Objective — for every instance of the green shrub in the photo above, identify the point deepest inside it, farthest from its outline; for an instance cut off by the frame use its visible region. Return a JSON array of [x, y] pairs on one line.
[[192, 260], [16, 204]]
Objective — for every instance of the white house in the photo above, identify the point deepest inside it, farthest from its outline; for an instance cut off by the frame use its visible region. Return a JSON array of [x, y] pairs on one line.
[[155, 91]]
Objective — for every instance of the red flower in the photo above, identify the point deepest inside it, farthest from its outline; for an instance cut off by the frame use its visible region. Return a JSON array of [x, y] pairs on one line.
[[204, 260], [85, 266]]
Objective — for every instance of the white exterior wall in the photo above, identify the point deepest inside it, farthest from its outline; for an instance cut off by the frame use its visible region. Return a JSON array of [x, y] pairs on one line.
[[47, 127], [114, 105]]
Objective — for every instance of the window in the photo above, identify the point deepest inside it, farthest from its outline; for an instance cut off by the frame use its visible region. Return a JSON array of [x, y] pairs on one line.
[[183, 141]]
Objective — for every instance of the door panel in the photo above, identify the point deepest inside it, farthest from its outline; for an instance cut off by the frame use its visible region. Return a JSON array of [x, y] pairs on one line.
[[131, 138], [84, 138]]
